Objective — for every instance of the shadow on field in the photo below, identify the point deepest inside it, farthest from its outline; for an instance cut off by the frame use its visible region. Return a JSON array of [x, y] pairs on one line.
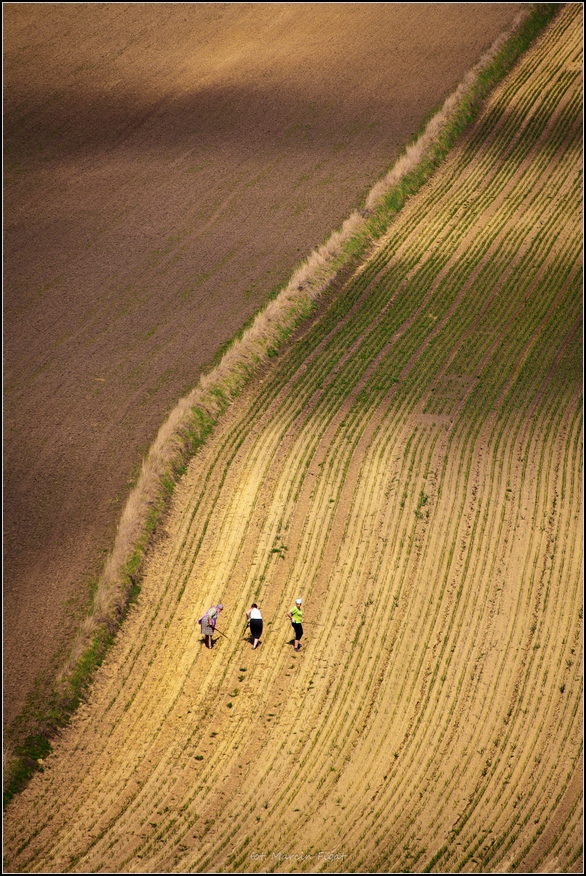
[[59, 125]]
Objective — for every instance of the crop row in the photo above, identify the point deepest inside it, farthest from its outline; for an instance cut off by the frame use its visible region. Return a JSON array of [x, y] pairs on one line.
[[411, 466]]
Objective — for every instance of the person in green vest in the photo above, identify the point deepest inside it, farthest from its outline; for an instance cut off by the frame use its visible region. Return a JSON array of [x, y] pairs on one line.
[[296, 618]]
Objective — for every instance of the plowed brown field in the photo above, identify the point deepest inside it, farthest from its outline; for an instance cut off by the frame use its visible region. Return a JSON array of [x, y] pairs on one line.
[[166, 167], [411, 467]]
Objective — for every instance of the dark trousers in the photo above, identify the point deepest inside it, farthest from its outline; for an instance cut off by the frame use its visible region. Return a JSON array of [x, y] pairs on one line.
[[255, 627]]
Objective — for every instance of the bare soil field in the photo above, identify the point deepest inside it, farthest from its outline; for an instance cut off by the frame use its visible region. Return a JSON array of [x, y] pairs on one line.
[[166, 167], [411, 467]]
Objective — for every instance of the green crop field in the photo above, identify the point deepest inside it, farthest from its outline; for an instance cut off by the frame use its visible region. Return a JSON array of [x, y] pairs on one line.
[[411, 466]]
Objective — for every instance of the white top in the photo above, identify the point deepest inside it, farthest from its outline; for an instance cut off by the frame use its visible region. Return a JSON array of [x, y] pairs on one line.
[[255, 613]]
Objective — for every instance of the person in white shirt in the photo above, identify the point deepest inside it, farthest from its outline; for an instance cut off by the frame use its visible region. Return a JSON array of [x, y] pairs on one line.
[[255, 622]]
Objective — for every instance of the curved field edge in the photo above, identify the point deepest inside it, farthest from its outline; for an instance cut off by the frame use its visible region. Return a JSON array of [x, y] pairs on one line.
[[194, 418], [414, 463]]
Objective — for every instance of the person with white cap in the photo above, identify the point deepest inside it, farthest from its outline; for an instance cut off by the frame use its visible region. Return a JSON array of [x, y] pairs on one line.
[[208, 623], [296, 618]]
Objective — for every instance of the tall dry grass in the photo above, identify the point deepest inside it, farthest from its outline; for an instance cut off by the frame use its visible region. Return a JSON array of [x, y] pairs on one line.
[[217, 388]]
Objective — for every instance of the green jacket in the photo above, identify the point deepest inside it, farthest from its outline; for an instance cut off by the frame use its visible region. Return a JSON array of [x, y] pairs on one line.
[[296, 615]]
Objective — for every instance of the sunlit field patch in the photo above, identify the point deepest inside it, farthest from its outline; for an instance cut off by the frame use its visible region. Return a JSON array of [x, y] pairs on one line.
[[412, 468]]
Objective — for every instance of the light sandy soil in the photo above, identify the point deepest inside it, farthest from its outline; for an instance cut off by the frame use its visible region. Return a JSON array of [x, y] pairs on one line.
[[166, 166], [412, 467]]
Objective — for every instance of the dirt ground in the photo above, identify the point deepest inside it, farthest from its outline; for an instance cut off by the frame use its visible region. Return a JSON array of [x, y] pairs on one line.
[[394, 469], [166, 167]]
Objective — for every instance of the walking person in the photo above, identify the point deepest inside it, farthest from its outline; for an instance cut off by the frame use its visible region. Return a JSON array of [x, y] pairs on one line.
[[296, 618], [255, 622], [208, 623]]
